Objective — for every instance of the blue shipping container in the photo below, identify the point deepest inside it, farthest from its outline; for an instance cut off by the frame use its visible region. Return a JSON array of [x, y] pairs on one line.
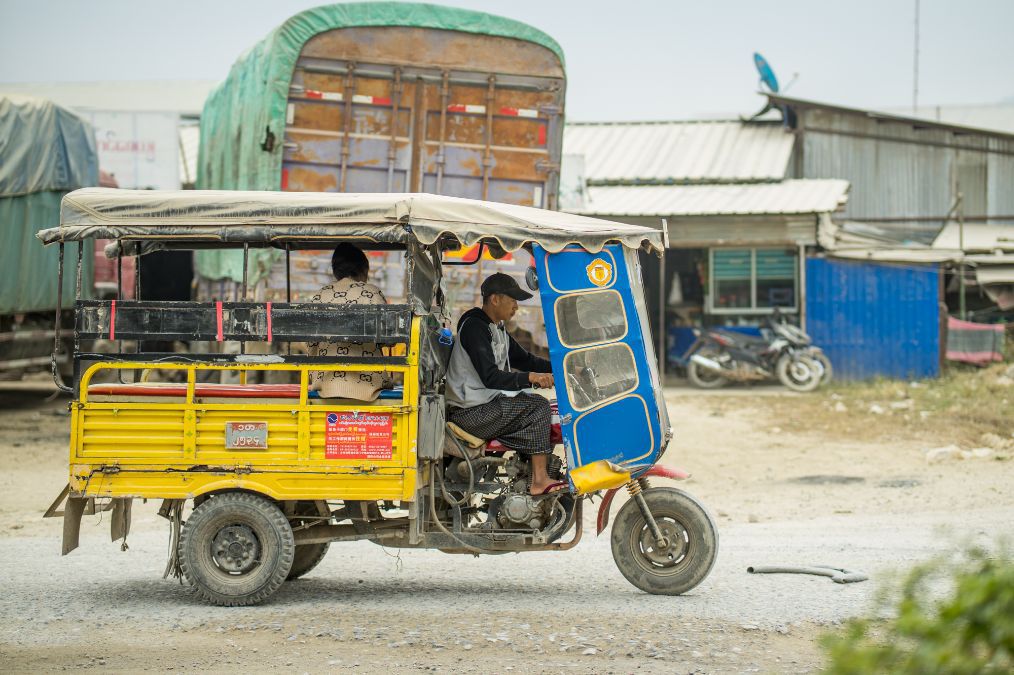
[[875, 319]]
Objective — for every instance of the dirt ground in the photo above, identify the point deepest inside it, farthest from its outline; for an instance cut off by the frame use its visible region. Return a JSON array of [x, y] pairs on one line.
[[781, 491]]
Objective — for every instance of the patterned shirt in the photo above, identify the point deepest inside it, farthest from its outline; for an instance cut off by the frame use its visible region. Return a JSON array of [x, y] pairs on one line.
[[343, 384]]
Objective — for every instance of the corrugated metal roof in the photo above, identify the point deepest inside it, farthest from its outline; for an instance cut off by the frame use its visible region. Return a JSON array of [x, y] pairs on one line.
[[918, 122], [977, 237], [680, 152], [787, 197]]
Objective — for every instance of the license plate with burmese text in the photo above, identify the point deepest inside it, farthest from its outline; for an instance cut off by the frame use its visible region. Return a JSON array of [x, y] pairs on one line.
[[246, 435]]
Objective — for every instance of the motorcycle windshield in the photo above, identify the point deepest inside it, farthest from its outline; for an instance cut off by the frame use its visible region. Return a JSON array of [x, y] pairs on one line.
[[607, 385]]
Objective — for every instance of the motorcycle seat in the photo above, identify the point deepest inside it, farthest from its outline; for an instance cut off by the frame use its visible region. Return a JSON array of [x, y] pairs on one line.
[[742, 338], [462, 435]]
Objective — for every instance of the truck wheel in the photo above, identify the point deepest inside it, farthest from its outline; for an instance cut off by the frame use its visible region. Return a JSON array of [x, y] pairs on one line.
[[692, 543], [236, 549], [306, 558]]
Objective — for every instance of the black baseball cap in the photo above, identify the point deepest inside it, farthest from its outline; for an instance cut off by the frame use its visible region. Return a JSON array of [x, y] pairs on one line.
[[505, 285]]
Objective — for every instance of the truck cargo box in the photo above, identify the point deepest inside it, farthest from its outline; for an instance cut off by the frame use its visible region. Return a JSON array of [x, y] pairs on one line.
[[385, 97]]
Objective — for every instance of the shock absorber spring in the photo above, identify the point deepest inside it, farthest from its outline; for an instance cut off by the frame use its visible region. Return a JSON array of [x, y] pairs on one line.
[[634, 488]]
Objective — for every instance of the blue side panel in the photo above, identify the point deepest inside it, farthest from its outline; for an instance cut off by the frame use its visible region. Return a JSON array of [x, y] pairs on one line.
[[622, 424], [875, 319]]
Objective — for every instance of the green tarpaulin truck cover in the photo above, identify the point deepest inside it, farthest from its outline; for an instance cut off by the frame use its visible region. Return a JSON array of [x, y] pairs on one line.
[[251, 103], [45, 152]]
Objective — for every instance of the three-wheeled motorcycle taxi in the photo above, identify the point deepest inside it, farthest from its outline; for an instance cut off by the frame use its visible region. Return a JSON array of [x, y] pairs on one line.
[[274, 473]]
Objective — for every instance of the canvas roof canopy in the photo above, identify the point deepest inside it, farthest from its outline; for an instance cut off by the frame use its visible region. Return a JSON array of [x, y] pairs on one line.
[[275, 217]]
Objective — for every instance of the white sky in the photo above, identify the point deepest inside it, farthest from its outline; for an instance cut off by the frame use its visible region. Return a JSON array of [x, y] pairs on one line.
[[630, 60]]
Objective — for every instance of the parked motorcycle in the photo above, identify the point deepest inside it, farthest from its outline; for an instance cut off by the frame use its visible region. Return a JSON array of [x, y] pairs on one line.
[[720, 356], [797, 337]]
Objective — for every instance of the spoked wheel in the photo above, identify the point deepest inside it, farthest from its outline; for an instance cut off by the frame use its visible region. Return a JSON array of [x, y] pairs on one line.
[[798, 373], [236, 549], [691, 543]]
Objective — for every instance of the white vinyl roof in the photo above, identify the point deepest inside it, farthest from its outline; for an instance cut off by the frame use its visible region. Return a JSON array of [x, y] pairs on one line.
[[714, 151], [271, 217], [787, 197]]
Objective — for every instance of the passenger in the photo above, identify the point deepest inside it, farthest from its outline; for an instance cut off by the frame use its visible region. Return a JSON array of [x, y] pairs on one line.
[[351, 268], [486, 398]]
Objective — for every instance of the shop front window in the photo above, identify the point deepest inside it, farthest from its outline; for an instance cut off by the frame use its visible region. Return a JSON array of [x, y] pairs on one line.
[[753, 279]]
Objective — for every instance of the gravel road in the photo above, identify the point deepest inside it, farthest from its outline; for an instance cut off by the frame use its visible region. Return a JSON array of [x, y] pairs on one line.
[[367, 608]]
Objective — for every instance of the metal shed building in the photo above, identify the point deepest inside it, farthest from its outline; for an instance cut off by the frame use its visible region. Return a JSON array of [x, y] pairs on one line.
[[738, 191], [905, 172]]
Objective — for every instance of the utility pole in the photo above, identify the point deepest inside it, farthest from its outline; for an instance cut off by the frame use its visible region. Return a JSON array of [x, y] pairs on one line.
[[915, 66]]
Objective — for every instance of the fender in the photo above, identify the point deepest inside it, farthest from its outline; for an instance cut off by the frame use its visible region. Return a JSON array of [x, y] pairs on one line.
[[660, 471]]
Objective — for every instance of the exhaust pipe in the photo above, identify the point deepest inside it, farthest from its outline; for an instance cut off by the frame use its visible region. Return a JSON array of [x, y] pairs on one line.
[[705, 362]]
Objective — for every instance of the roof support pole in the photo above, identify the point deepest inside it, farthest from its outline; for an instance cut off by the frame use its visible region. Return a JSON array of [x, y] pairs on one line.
[[288, 287], [56, 326], [661, 318], [79, 287], [119, 296]]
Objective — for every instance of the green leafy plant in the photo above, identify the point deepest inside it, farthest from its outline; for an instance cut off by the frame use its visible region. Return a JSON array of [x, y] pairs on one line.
[[970, 630]]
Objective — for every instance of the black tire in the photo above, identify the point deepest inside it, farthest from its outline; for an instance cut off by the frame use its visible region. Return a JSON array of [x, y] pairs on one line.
[[307, 557], [798, 372], [701, 377], [688, 525], [236, 549]]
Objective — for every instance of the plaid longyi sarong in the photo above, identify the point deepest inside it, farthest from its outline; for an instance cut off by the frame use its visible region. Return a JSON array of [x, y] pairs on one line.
[[520, 422]]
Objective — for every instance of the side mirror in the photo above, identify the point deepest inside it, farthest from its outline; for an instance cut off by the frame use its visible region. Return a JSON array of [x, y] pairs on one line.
[[532, 279]]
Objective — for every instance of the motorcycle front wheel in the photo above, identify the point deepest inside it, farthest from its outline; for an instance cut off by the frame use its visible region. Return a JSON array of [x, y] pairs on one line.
[[691, 542], [798, 373], [821, 358]]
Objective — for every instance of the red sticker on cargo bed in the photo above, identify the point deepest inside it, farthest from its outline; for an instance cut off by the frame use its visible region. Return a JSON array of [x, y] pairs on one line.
[[357, 436]]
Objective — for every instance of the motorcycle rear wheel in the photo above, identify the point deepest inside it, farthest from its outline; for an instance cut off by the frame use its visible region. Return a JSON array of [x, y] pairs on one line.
[[701, 377], [798, 373]]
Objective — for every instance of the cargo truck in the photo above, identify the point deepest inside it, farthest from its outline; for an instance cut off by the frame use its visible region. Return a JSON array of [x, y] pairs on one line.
[[385, 97], [45, 151]]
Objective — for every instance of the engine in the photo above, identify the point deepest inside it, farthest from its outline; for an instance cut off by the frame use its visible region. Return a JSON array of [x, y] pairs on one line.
[[515, 508], [501, 499]]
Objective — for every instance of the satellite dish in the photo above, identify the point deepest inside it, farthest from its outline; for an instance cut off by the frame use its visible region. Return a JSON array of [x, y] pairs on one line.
[[767, 75]]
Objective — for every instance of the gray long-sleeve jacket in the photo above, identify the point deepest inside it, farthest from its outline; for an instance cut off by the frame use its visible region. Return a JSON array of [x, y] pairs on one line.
[[481, 362]]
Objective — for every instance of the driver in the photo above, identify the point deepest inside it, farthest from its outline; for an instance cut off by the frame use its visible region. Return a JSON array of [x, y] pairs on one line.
[[486, 398]]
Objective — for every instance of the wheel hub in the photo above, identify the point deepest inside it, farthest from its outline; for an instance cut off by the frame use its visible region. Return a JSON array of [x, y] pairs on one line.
[[800, 371], [236, 549], [673, 550]]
